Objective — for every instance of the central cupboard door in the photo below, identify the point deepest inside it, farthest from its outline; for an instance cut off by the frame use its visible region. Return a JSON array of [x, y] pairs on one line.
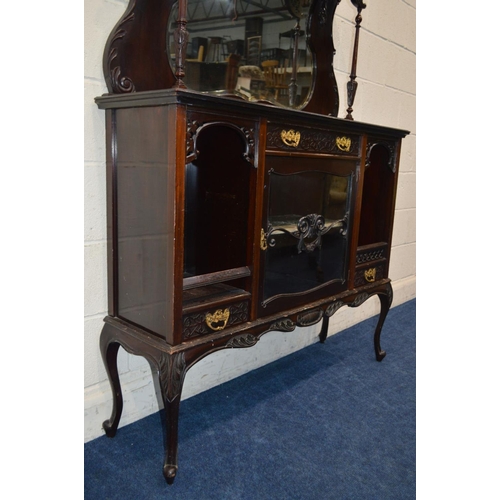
[[306, 229]]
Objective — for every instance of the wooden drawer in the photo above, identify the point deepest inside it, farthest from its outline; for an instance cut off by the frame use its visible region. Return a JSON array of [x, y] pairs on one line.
[[288, 138], [369, 274], [214, 319], [371, 253]]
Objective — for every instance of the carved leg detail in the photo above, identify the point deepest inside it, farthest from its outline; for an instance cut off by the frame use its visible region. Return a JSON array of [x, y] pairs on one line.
[[385, 304], [109, 353], [172, 369]]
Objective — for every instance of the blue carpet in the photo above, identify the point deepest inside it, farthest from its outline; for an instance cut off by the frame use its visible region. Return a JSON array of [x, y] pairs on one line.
[[327, 422]]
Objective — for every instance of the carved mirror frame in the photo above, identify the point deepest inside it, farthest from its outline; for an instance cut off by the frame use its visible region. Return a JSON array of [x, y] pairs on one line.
[[135, 57]]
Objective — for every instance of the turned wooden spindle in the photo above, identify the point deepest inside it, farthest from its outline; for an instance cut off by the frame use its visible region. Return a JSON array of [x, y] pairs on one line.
[[352, 84], [181, 38]]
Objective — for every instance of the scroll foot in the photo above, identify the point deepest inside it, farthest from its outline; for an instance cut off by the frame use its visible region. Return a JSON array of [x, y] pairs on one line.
[[109, 428], [169, 472]]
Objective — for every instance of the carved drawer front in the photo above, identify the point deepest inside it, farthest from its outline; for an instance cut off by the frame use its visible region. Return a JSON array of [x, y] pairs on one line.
[[371, 253], [289, 138], [214, 319]]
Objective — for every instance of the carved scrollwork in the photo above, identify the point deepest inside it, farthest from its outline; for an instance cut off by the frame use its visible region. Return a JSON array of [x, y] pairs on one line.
[[310, 317], [391, 148], [120, 84], [362, 297], [194, 128], [310, 227], [250, 139], [323, 12], [370, 255], [246, 340], [333, 308], [283, 325]]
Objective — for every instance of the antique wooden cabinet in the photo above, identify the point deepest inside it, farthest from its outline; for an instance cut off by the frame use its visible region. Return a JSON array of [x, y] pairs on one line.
[[237, 204]]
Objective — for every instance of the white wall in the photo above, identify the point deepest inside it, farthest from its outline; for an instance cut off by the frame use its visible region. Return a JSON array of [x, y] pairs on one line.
[[386, 95]]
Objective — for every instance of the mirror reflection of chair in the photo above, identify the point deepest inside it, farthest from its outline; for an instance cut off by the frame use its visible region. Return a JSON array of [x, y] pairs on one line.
[[275, 78], [200, 55], [253, 50]]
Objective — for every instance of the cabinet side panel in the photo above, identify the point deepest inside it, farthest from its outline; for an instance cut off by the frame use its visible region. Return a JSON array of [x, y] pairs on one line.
[[143, 204]]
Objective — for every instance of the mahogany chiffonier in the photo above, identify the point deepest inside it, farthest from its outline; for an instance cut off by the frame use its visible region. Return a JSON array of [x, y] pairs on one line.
[[238, 202]]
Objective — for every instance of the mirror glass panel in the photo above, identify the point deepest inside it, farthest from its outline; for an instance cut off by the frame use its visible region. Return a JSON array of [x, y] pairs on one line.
[[307, 234], [247, 48]]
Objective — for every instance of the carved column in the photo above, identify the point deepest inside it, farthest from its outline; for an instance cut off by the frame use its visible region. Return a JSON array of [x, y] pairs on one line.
[[352, 84], [181, 37]]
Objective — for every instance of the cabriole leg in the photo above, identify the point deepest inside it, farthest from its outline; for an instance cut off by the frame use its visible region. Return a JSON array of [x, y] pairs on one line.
[[385, 303], [109, 353], [172, 369]]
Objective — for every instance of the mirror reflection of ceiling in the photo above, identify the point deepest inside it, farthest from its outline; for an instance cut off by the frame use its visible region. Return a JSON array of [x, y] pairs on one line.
[[201, 11]]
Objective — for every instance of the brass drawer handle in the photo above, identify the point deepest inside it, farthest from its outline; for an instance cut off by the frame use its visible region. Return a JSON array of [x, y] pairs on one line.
[[343, 143], [370, 275], [213, 320], [290, 137], [263, 240]]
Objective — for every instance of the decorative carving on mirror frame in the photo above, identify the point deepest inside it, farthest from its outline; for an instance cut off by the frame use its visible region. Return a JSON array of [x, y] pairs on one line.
[[120, 84]]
